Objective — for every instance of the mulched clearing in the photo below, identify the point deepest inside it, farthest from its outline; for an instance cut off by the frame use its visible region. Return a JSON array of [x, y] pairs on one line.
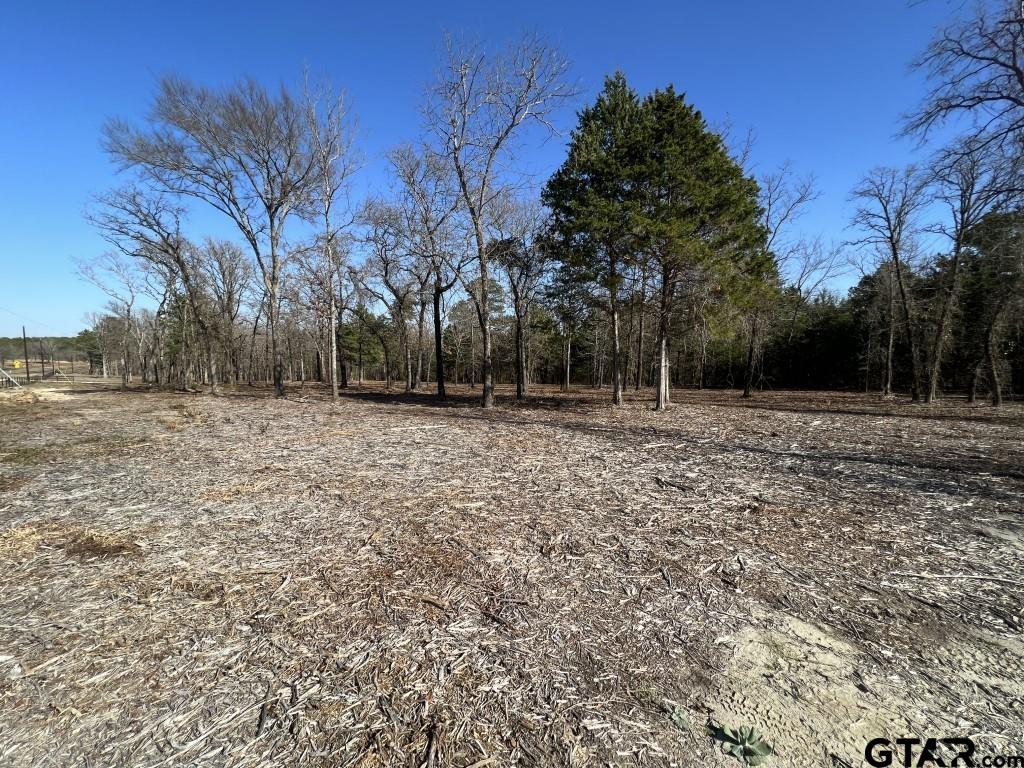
[[245, 581]]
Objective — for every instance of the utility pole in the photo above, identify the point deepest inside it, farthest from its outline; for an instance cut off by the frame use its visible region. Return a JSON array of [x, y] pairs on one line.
[[24, 342]]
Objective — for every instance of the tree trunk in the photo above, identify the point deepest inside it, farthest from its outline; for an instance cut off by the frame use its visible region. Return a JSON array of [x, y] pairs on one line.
[[663, 371], [616, 354], [640, 345], [360, 354], [940, 332], [472, 357], [334, 344], [276, 355], [567, 345], [487, 374], [946, 313], [915, 353], [887, 388], [703, 348], [124, 368], [252, 346], [972, 390], [748, 377], [664, 318], [520, 357], [438, 352], [991, 351], [409, 385], [419, 344]]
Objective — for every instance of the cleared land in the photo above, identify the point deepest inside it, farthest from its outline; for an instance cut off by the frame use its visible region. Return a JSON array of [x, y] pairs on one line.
[[238, 580]]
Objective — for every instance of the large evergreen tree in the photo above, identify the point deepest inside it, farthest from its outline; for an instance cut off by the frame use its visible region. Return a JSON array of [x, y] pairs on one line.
[[595, 205], [649, 183], [699, 212]]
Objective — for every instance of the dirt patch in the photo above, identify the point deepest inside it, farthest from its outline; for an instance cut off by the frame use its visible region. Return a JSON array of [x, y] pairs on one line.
[[807, 690], [19, 397], [35, 394], [86, 545]]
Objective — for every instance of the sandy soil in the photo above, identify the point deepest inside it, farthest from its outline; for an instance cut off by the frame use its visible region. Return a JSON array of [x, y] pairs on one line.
[[243, 581]]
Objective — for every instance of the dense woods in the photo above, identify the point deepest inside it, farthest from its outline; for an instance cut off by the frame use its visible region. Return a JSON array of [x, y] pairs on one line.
[[655, 256]]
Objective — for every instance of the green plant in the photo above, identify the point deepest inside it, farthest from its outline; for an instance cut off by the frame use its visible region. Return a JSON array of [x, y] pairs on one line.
[[680, 718], [744, 743]]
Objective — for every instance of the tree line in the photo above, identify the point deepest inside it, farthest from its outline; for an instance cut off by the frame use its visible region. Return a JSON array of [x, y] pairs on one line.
[[654, 256]]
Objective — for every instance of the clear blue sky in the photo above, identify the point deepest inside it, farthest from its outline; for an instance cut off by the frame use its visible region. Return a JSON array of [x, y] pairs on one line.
[[822, 83]]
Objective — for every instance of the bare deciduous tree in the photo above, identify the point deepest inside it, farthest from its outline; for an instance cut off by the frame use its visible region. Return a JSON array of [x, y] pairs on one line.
[[430, 203], [122, 281], [228, 276], [889, 202], [521, 255], [147, 226], [970, 179], [243, 150], [477, 106], [783, 198], [330, 135], [975, 65], [385, 275]]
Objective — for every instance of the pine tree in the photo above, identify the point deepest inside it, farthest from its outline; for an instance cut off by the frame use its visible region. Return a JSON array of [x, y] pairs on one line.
[[699, 210], [594, 202]]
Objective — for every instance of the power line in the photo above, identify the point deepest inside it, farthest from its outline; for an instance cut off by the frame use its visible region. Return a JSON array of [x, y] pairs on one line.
[[28, 319]]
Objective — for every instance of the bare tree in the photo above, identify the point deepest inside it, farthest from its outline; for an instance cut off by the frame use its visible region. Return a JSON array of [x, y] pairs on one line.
[[975, 65], [385, 275], [430, 202], [245, 151], [147, 226], [565, 298], [889, 202], [228, 276], [970, 179], [783, 198], [520, 254], [810, 265], [121, 280], [334, 162], [477, 107]]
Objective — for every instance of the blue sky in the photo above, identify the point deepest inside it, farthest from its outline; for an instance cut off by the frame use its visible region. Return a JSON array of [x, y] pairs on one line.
[[822, 84]]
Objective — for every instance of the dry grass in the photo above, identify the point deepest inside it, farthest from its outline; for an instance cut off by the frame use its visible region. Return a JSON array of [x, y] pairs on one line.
[[390, 581], [235, 491], [27, 455], [79, 541]]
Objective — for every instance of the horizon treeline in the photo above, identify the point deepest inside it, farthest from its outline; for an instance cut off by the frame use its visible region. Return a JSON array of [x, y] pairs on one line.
[[653, 257]]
